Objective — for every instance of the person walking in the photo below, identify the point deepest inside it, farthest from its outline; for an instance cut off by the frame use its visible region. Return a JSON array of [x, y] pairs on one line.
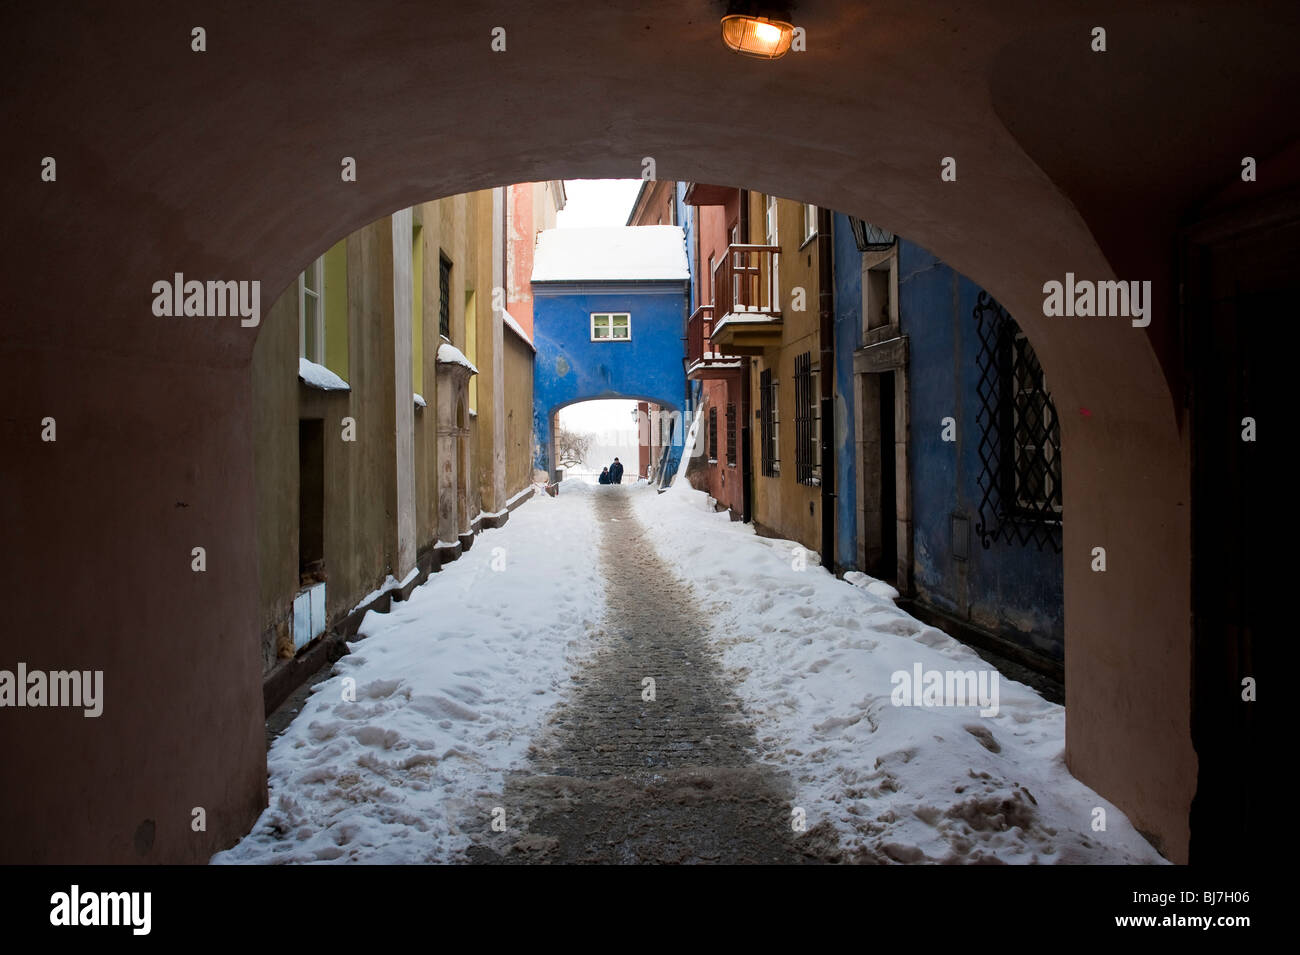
[[616, 472]]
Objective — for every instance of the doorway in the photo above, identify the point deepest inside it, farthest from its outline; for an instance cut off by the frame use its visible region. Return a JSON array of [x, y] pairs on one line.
[[887, 568], [311, 500], [1243, 269]]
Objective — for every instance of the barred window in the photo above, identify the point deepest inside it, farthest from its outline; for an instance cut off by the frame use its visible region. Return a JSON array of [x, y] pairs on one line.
[[767, 410], [731, 433], [1020, 443], [805, 422], [444, 296], [713, 435], [1034, 475]]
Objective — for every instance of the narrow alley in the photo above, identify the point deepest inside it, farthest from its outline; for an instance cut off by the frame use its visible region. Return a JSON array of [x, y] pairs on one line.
[[748, 432], [521, 730]]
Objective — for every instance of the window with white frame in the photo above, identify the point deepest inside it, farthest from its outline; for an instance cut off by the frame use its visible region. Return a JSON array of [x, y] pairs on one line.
[[311, 312], [611, 326], [809, 221]]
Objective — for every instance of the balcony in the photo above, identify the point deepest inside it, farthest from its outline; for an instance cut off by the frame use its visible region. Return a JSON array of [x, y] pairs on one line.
[[746, 292], [705, 194], [703, 359]]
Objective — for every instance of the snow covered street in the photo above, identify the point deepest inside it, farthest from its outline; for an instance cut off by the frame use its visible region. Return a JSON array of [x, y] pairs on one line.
[[511, 688], [450, 687], [814, 660]]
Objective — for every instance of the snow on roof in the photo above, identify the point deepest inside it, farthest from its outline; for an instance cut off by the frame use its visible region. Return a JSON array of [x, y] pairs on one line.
[[517, 328], [318, 376], [742, 317], [449, 354], [645, 253]]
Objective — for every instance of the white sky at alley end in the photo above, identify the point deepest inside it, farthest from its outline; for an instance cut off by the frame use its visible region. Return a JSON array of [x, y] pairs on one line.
[[610, 423], [599, 202]]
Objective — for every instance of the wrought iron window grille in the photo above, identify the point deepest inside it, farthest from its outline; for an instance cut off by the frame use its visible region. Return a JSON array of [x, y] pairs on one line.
[[805, 442], [767, 423], [731, 432], [444, 296], [1020, 437]]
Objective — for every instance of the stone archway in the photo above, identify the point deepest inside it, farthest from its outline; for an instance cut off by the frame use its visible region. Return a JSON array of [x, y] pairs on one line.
[[182, 162], [667, 430]]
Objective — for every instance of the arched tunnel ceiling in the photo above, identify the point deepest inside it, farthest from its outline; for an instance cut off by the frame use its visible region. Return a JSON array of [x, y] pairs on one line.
[[227, 162]]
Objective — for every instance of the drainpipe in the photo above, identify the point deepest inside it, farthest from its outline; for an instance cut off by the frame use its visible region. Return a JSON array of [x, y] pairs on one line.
[[826, 366], [746, 363]]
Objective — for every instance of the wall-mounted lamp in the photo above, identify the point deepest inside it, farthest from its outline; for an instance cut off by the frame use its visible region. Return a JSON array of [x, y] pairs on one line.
[[766, 37]]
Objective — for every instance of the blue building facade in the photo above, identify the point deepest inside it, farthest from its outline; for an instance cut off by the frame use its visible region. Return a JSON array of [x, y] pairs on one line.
[[978, 520], [686, 218], [573, 365]]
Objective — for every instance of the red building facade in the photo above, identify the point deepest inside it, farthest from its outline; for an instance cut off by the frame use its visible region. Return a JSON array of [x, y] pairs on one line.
[[723, 469]]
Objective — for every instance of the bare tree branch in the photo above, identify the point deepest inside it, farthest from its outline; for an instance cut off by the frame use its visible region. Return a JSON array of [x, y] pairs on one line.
[[571, 447]]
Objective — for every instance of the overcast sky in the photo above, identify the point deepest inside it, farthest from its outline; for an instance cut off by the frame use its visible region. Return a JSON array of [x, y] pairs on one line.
[[611, 423], [597, 202]]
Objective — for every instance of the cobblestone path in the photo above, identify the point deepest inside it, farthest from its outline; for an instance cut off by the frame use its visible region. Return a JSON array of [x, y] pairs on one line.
[[616, 778]]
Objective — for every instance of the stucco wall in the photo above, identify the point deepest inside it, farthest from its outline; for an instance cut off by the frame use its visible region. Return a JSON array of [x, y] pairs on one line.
[[360, 532], [519, 413], [275, 455], [480, 385], [1012, 589], [360, 489], [782, 505]]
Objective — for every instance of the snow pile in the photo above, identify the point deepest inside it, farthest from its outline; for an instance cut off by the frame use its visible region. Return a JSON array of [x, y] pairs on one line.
[[449, 354], [646, 253], [814, 660], [450, 687], [870, 584], [318, 376], [390, 583], [688, 451]]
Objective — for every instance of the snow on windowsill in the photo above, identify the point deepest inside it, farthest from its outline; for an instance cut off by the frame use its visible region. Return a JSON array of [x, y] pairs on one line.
[[318, 376], [449, 354]]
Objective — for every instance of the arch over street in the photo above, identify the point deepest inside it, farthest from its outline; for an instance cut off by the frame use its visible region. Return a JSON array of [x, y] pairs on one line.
[[226, 165]]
